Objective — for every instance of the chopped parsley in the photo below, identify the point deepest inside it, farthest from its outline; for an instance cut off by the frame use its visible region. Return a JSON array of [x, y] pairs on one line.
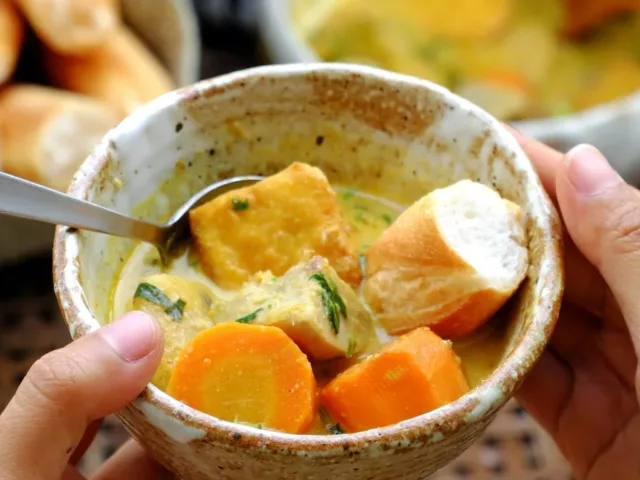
[[239, 204], [250, 317], [176, 310], [153, 294], [349, 194], [333, 302], [351, 348], [387, 218]]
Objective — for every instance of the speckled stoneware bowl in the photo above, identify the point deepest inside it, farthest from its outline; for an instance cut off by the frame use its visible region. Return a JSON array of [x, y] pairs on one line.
[[399, 135]]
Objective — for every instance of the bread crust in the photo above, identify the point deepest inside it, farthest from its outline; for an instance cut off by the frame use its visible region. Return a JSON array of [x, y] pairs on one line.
[[122, 73], [11, 38], [72, 27], [414, 278], [27, 115]]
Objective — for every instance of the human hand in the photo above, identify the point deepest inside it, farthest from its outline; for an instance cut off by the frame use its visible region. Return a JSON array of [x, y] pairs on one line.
[[56, 412], [584, 389]]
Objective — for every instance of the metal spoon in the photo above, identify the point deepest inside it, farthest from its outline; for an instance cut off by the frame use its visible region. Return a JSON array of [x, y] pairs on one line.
[[21, 198]]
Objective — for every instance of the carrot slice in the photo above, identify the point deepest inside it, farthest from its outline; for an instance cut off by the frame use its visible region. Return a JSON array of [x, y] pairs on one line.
[[415, 374], [584, 15], [248, 374]]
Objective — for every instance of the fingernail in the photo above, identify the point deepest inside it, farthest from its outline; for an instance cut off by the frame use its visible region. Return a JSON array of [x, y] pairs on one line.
[[132, 337], [589, 171]]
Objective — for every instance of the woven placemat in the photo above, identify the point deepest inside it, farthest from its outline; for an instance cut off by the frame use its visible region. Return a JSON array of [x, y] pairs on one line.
[[513, 447]]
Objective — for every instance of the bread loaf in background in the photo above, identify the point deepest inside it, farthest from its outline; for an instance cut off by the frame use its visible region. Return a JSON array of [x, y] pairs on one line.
[[11, 38], [72, 26], [449, 262], [45, 133], [122, 73]]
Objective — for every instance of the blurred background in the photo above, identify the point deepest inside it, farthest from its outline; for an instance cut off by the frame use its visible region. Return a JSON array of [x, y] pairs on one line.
[[563, 71]]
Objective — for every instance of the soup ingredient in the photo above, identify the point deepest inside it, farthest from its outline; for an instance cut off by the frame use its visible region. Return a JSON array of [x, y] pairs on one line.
[[584, 15], [286, 218], [249, 374], [449, 261], [47, 133], [413, 375], [123, 72], [311, 304], [72, 26], [11, 38], [181, 306]]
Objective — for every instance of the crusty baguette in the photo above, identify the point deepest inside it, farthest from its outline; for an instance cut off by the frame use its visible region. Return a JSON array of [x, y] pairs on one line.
[[72, 26], [47, 133], [122, 73], [449, 262], [11, 38]]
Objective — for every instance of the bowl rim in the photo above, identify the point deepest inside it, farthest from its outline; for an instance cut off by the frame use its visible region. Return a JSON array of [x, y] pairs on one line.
[[474, 407], [279, 35]]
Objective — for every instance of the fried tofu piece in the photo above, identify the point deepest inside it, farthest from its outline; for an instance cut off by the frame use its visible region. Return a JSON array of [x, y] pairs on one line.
[[311, 304], [273, 225], [181, 307]]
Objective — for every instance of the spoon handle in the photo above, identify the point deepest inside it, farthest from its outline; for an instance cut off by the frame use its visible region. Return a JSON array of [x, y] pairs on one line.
[[21, 198]]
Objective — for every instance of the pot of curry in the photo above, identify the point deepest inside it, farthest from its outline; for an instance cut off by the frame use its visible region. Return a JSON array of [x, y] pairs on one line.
[[564, 71], [364, 310]]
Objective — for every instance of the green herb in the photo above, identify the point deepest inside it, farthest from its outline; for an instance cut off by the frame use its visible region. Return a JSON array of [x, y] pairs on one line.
[[332, 301], [176, 310], [249, 317], [349, 194], [352, 346], [360, 218], [361, 207], [239, 204], [363, 262], [387, 218], [333, 428], [153, 294]]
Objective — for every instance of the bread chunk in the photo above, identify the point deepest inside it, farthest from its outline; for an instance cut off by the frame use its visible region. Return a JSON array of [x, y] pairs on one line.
[[449, 262]]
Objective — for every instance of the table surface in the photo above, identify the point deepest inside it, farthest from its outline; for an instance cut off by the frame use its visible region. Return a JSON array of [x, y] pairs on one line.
[[513, 447]]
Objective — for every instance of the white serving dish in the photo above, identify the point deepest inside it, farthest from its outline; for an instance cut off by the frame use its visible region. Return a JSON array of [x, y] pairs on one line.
[[170, 28], [611, 127]]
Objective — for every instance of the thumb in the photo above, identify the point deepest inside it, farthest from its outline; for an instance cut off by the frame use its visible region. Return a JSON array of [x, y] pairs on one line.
[[69, 388], [602, 214]]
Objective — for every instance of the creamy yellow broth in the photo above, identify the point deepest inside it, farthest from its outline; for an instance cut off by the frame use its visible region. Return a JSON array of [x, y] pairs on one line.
[[509, 56], [368, 215]]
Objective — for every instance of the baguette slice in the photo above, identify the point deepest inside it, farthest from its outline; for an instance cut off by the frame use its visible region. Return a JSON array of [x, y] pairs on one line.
[[122, 73], [449, 262], [47, 133], [72, 26], [11, 38]]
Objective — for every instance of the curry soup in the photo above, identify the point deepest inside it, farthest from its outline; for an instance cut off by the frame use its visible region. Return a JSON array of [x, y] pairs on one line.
[[143, 279]]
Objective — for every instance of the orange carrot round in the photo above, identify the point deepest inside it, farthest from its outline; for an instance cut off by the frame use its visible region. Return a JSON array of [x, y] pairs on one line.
[[248, 374], [415, 374]]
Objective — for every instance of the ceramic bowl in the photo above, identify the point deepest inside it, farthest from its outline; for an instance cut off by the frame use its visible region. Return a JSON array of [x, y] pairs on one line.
[[405, 136], [610, 127], [170, 29]]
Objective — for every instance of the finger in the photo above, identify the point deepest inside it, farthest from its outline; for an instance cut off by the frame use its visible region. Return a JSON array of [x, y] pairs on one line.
[[545, 159], [131, 462], [69, 388], [602, 215], [546, 390], [70, 473], [584, 285], [85, 443]]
